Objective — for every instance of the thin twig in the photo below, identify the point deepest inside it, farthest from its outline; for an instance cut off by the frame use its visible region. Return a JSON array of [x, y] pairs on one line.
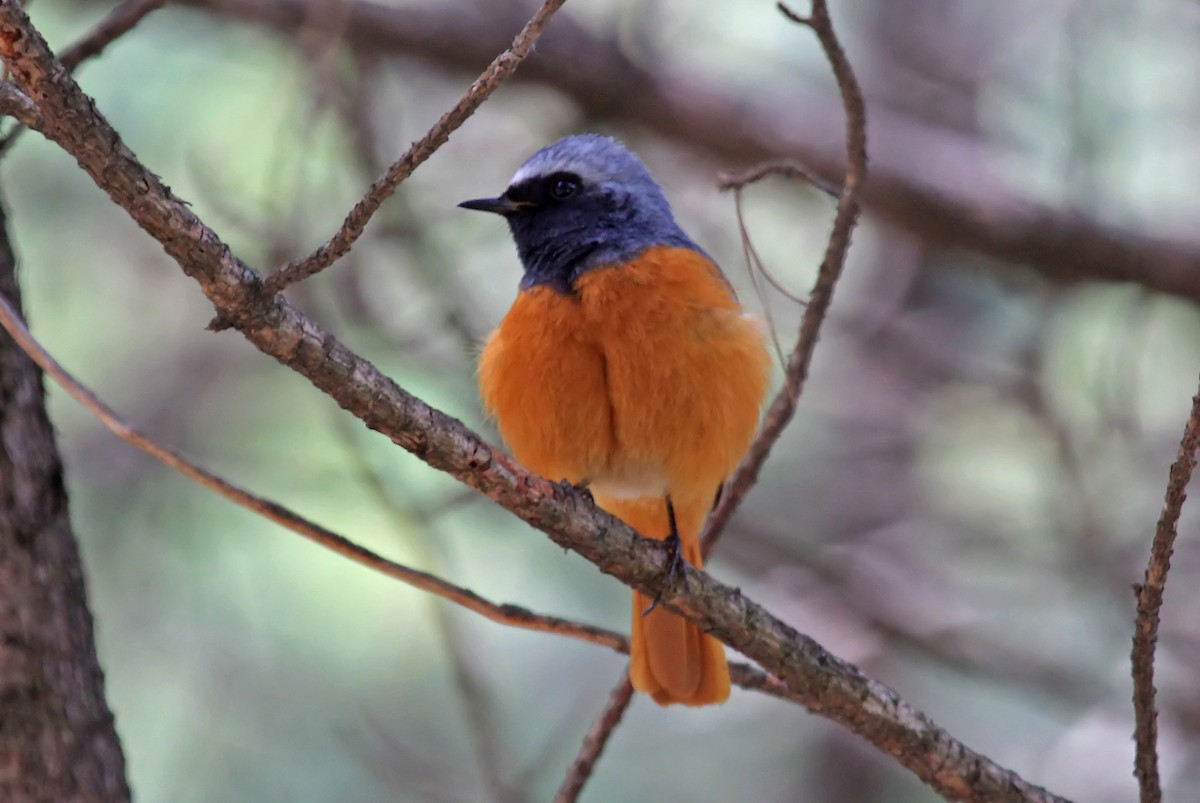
[[503, 66], [783, 407], [594, 743], [752, 678], [756, 261], [512, 615], [789, 168], [756, 268], [120, 21], [581, 769], [1149, 604]]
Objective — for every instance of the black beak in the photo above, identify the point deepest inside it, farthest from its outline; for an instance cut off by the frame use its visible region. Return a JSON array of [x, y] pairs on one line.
[[501, 206]]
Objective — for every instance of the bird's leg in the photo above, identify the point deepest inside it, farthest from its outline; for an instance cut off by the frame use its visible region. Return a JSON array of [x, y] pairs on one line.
[[717, 497], [674, 556]]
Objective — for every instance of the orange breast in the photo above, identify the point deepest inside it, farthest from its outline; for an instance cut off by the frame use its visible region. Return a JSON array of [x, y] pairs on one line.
[[648, 380]]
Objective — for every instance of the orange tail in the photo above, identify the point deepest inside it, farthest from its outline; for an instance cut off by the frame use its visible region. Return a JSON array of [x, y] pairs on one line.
[[671, 659]]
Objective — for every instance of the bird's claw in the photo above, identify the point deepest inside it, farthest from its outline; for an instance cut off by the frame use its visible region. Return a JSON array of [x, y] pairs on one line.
[[577, 490], [674, 571]]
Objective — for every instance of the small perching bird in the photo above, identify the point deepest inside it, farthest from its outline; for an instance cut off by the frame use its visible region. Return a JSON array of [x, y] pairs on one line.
[[625, 365]]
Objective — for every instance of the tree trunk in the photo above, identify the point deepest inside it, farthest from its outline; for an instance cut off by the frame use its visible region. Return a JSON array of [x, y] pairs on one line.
[[58, 743]]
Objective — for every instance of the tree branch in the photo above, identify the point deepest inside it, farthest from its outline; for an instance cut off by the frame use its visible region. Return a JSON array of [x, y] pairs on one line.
[[511, 615], [939, 184], [14, 104], [783, 407], [824, 683], [119, 22], [497, 72], [581, 768], [1149, 604]]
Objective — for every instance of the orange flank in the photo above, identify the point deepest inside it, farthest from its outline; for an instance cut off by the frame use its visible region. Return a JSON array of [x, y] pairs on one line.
[[646, 382]]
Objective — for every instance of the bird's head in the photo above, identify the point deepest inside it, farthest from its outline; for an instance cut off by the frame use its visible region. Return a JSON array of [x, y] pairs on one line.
[[584, 202]]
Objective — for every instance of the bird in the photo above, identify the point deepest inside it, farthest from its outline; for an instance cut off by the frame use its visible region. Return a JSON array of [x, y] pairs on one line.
[[627, 367]]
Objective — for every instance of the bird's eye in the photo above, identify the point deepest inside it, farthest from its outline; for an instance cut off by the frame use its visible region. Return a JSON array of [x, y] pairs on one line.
[[564, 187]]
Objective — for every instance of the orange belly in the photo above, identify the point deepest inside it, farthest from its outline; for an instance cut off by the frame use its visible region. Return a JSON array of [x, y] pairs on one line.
[[649, 380]]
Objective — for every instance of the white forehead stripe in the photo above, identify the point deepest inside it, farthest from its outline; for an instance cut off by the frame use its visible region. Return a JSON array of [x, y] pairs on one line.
[[524, 173], [593, 158], [542, 166]]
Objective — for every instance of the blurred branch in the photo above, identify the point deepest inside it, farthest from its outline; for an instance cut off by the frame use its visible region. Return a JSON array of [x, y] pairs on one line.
[[14, 104], [512, 615], [430, 264], [120, 21], [1149, 604], [597, 738], [783, 407], [500, 68], [965, 648], [756, 268], [935, 182], [823, 683], [482, 729]]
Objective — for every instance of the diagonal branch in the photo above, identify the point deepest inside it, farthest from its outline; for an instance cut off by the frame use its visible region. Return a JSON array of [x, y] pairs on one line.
[[596, 740], [1149, 604], [352, 228], [511, 615], [822, 682], [783, 407]]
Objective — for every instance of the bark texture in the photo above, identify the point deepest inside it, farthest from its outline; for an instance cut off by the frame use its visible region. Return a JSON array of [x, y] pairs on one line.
[[58, 743]]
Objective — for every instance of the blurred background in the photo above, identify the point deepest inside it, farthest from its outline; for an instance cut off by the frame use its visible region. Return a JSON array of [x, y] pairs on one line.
[[961, 506]]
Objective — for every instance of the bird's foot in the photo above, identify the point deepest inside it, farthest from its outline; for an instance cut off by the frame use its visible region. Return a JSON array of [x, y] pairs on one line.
[[674, 570], [578, 491]]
